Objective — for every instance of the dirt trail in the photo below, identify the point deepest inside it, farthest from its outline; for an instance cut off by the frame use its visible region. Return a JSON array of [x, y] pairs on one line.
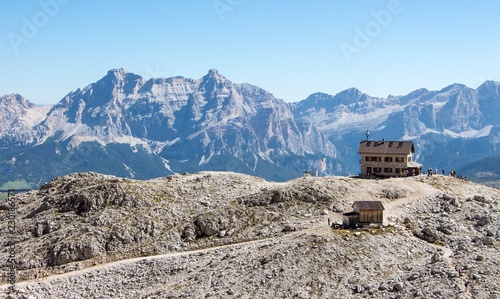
[[397, 208], [129, 261], [318, 227], [447, 255]]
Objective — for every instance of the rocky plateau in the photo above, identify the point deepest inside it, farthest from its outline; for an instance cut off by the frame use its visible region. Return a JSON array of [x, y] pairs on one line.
[[230, 235]]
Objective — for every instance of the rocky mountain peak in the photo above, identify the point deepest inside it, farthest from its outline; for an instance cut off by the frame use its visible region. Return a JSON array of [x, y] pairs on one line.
[[118, 74], [214, 76], [490, 87], [350, 95], [120, 79], [15, 99], [18, 116], [454, 87], [215, 87], [213, 73], [490, 83]]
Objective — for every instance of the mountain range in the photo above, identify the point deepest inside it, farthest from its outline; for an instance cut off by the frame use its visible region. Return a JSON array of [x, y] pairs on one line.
[[131, 127]]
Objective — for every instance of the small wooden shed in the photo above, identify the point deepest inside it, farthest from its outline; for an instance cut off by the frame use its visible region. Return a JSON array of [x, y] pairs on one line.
[[364, 213], [350, 219]]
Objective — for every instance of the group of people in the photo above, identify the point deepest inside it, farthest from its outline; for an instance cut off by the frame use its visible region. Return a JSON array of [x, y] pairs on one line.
[[431, 172], [453, 173]]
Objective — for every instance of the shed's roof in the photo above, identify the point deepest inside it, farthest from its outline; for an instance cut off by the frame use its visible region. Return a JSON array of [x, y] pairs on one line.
[[386, 147], [369, 205]]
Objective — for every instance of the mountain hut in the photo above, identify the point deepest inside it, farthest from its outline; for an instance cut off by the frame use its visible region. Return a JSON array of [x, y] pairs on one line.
[[364, 213]]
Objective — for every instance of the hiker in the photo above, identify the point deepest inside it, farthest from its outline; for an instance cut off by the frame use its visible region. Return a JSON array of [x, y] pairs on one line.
[[328, 221]]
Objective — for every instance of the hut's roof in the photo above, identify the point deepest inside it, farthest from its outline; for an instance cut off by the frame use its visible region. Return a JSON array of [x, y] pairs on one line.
[[386, 147]]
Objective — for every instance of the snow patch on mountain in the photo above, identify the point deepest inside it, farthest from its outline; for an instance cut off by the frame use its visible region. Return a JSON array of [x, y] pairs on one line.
[[167, 166], [76, 140], [355, 120], [159, 146], [470, 133], [426, 131], [205, 161], [129, 170]]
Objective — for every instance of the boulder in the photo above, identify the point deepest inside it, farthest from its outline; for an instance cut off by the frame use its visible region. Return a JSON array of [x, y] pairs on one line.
[[436, 257], [189, 233], [488, 241], [63, 253], [429, 234], [281, 196], [394, 193], [207, 226], [398, 287], [481, 199], [483, 220]]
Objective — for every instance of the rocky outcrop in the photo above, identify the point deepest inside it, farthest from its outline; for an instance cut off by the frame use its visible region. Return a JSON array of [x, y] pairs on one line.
[[63, 253], [395, 192], [85, 192]]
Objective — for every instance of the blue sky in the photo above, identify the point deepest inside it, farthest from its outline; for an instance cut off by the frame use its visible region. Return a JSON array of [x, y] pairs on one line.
[[290, 48]]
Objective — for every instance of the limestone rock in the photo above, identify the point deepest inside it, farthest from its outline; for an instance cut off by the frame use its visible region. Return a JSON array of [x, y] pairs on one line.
[[224, 235], [76, 251]]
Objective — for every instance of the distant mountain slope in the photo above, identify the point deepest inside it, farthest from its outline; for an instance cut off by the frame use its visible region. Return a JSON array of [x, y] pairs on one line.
[[18, 116], [450, 127], [455, 111], [122, 123], [486, 170], [125, 125]]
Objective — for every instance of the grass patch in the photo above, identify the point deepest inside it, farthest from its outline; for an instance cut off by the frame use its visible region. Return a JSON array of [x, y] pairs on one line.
[[438, 243], [20, 184]]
